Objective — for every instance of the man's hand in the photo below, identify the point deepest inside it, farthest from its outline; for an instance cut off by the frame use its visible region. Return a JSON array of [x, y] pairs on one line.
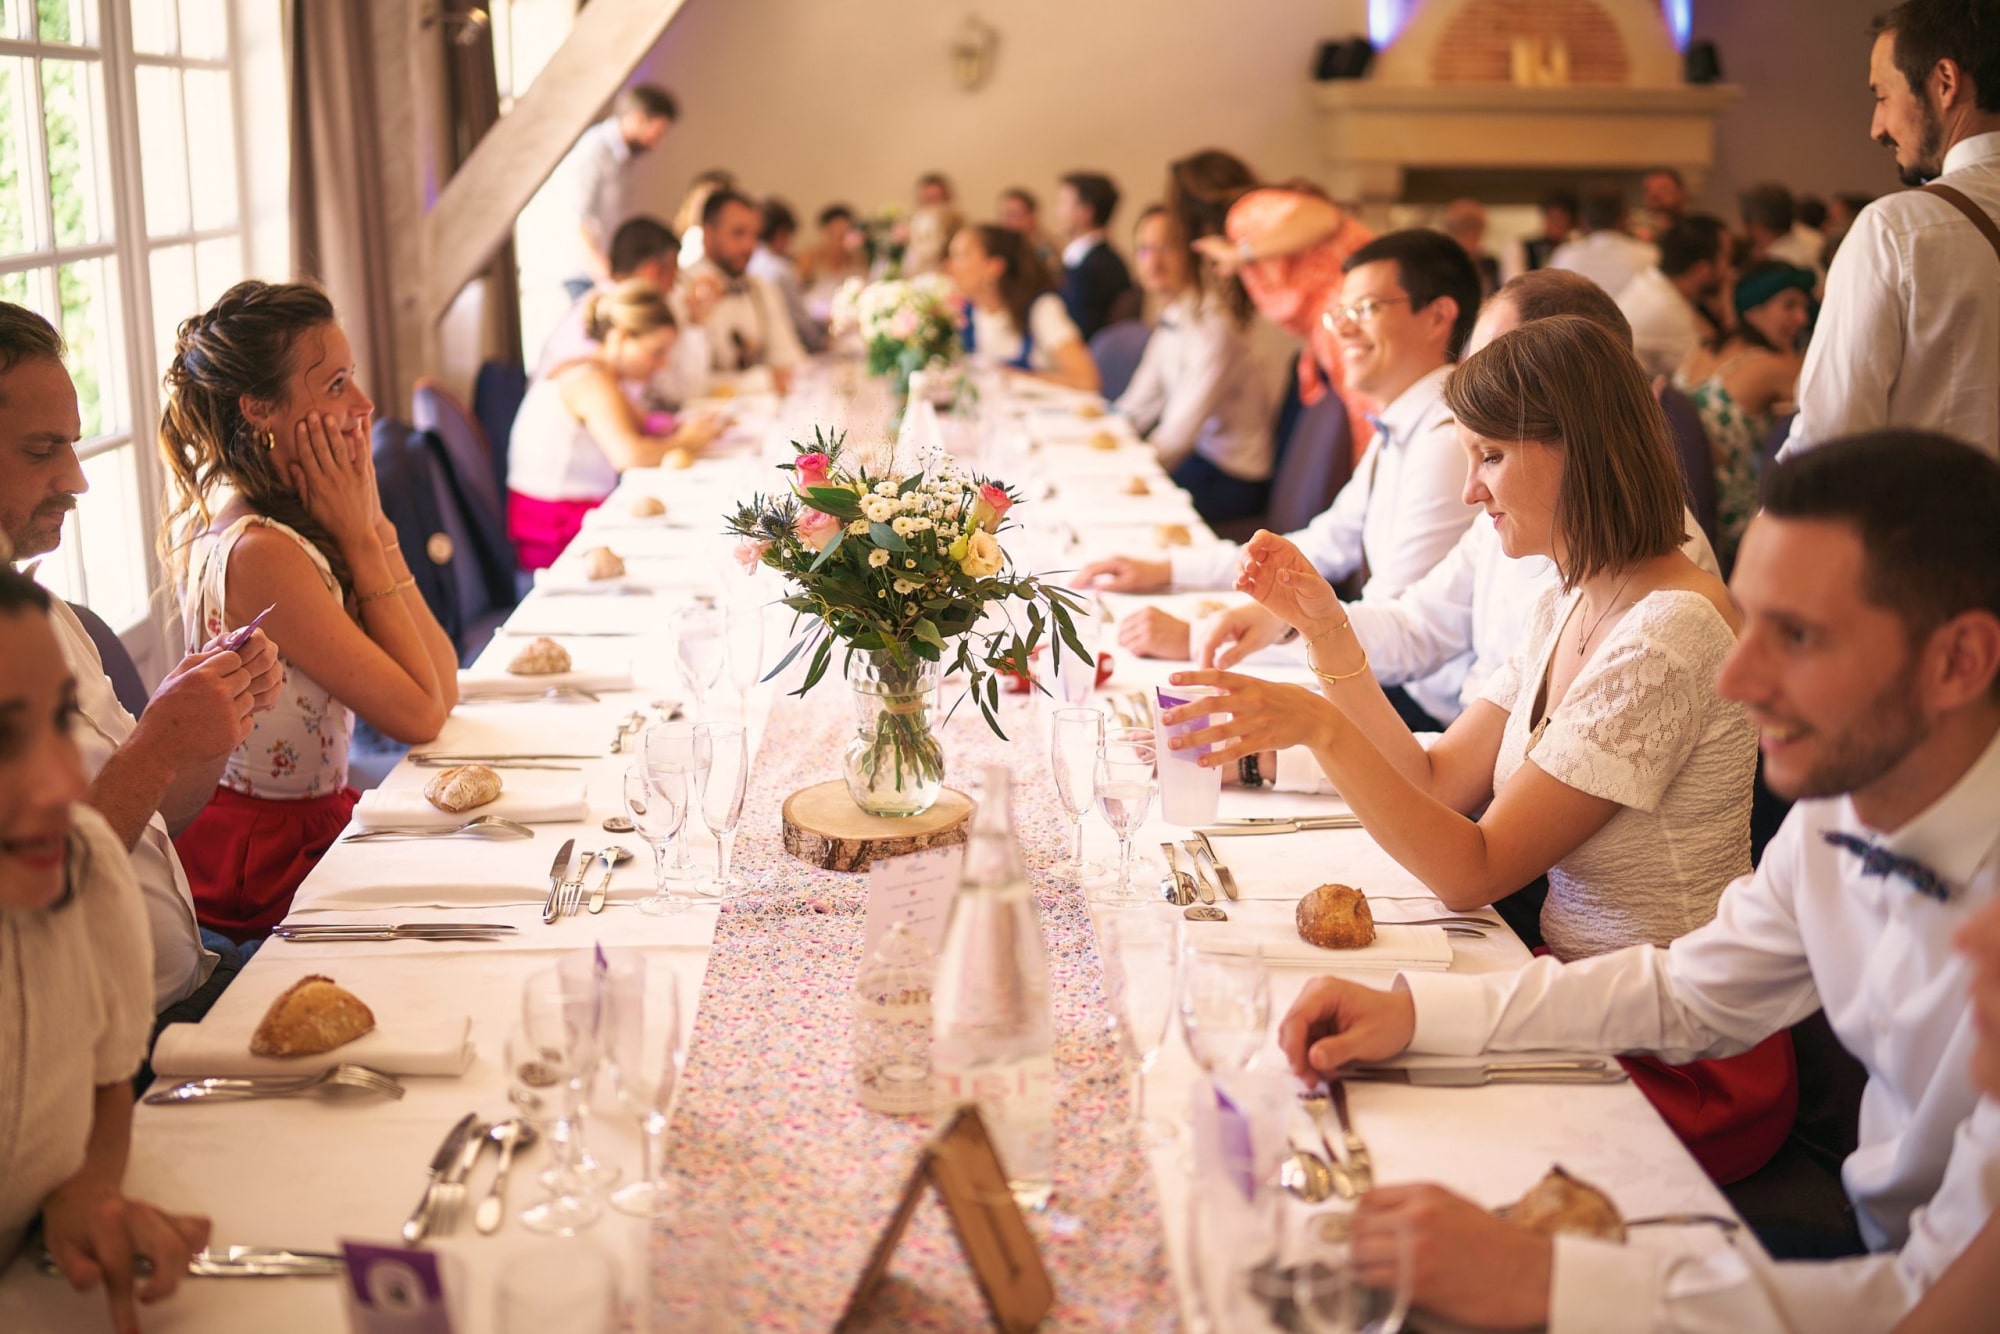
[[1126, 574], [1152, 633], [699, 295], [93, 1232], [1225, 639], [202, 710], [260, 659], [1333, 1023], [1465, 1265]]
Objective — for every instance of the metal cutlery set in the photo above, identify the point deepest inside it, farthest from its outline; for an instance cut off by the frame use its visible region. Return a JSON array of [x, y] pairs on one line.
[[335, 1081], [1182, 889], [446, 1194], [566, 893], [350, 931]]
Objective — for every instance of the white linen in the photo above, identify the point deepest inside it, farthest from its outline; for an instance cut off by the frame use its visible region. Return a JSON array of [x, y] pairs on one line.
[[1808, 931], [408, 1045], [1664, 326], [1910, 332], [474, 685], [1273, 929], [1198, 390], [529, 796], [1609, 259]]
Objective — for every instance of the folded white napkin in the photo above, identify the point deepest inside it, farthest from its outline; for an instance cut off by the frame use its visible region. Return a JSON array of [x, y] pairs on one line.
[[431, 1046], [1273, 928], [641, 573], [477, 683], [529, 797]]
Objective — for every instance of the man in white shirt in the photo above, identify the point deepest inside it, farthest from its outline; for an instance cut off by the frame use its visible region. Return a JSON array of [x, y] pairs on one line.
[[748, 325], [1770, 220], [1408, 303], [152, 775], [1666, 303], [773, 262], [589, 177], [1910, 331], [1870, 661], [1604, 253], [1198, 396]]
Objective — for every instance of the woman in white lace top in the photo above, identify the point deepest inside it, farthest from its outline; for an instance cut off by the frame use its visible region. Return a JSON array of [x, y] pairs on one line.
[[1602, 755]]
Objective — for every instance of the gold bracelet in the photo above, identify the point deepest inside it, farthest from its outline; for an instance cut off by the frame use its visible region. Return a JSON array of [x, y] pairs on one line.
[[377, 596], [1332, 679]]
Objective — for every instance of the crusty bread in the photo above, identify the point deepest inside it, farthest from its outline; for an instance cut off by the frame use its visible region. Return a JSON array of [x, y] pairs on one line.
[[541, 657], [1561, 1203], [648, 507], [314, 1015], [677, 460], [1173, 535], [1103, 440], [602, 563], [1090, 411], [1336, 917], [1137, 487], [460, 789]]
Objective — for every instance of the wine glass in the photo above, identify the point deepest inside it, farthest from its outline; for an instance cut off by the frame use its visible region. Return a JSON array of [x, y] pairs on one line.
[[1075, 736], [657, 808], [645, 1045], [722, 754], [1225, 1003], [1138, 952], [670, 751], [699, 649], [1331, 1290], [743, 633], [1127, 776], [551, 1052]]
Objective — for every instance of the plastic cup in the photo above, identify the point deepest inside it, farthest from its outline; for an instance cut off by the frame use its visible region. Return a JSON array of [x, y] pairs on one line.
[[1189, 793]]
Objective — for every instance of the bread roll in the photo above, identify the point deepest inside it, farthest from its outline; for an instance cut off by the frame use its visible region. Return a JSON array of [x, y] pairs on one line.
[[602, 563], [677, 460], [313, 1016], [462, 788], [1561, 1203], [1336, 917], [542, 657], [1104, 440], [1137, 487], [1173, 535], [648, 507], [1090, 411]]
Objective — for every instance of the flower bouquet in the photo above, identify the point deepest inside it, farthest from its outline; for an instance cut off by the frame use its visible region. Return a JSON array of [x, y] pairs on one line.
[[901, 571], [906, 325]]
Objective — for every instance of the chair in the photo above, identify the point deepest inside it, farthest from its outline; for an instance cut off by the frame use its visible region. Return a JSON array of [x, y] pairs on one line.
[[496, 400], [1781, 431], [1697, 457], [436, 409], [468, 587], [1116, 350], [126, 682], [1315, 457]]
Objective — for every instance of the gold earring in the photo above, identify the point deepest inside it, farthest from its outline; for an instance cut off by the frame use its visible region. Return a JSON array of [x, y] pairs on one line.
[[270, 440]]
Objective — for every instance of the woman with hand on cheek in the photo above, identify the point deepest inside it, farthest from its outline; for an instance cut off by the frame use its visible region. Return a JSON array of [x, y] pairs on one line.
[[1602, 755], [266, 437], [76, 995]]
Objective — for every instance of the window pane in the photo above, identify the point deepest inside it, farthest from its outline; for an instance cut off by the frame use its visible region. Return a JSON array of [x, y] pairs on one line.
[[30, 289], [211, 129], [10, 18], [89, 319], [72, 96], [218, 266], [20, 204], [65, 21], [174, 298], [204, 29], [110, 531], [153, 26], [163, 149], [61, 571]]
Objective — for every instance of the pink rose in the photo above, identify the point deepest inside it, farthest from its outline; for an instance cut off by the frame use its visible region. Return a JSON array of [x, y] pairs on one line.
[[750, 553], [815, 529], [903, 327], [992, 507], [813, 469]]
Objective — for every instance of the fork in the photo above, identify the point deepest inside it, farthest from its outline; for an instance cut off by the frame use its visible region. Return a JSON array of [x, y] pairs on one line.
[[1346, 1177], [342, 1078], [1359, 1166], [496, 825], [553, 692], [450, 1193], [571, 898]]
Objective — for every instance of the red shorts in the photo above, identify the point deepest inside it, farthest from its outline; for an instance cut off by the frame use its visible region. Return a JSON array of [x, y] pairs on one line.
[[540, 529], [246, 856]]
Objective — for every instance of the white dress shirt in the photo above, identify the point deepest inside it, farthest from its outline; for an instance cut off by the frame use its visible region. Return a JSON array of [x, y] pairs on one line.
[[1910, 332], [782, 273], [1801, 247], [1198, 391], [749, 325], [1809, 930], [1609, 259], [180, 962], [998, 343], [1073, 254], [588, 182], [1664, 326]]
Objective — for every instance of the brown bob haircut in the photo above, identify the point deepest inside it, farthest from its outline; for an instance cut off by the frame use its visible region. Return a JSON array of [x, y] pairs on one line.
[[1567, 382]]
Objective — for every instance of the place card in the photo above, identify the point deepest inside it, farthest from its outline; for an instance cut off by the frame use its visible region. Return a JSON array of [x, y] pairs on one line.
[[915, 889], [961, 1166], [393, 1290]]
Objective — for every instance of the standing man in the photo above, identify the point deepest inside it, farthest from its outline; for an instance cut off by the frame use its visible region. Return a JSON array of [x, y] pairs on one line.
[[1910, 332], [748, 325], [589, 177], [1094, 278]]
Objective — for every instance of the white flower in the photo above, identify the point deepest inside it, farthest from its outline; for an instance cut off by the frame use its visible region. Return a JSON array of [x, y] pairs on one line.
[[885, 489], [878, 558], [909, 564], [905, 587], [900, 525], [983, 556], [858, 527], [878, 509]]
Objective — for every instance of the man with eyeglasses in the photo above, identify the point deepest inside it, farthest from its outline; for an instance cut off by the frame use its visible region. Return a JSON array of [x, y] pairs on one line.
[[1406, 307]]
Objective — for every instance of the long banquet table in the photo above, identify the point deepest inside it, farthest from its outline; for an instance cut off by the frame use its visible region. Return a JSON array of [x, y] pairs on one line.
[[765, 1110]]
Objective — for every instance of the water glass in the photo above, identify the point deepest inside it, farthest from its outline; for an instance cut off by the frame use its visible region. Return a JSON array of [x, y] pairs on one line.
[[571, 1286], [1138, 951], [1127, 776], [671, 752], [554, 1051], [658, 811], [1338, 1288], [1225, 1004], [1076, 734], [699, 651], [743, 633], [722, 757], [646, 1046]]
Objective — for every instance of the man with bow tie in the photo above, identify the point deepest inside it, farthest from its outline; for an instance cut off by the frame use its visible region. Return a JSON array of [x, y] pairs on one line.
[[748, 325], [1870, 661]]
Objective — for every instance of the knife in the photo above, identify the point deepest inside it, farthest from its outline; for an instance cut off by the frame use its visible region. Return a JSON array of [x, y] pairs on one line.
[[1474, 1076], [1223, 875], [1204, 881], [238, 1262], [1283, 825], [309, 935], [557, 874], [442, 1161], [322, 928]]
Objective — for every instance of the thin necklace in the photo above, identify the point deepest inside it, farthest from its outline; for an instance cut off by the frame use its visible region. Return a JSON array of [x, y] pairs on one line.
[[1602, 614]]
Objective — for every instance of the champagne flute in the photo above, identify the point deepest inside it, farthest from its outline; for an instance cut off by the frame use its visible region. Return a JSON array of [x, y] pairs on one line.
[[1136, 948], [1225, 1004], [670, 750], [699, 649], [743, 633], [551, 1052], [646, 1048], [1078, 675], [1127, 776], [658, 810], [1075, 737], [722, 754]]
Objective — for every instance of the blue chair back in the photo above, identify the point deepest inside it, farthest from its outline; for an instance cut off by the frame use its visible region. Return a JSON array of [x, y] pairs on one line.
[[1116, 350], [1697, 457], [496, 400], [1315, 457], [126, 682], [467, 584]]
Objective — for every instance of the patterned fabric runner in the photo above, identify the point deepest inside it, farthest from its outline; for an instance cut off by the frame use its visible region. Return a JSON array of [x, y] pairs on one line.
[[767, 1115]]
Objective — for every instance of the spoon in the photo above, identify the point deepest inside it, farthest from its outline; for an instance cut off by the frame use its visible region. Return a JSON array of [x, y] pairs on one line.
[[609, 858], [670, 710], [1306, 1175], [511, 1136], [494, 825], [628, 727]]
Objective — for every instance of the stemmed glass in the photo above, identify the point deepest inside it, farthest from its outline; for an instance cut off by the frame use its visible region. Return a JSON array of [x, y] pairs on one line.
[[646, 1047], [1225, 1003], [722, 757], [1076, 734], [550, 1054], [699, 649], [670, 750], [1135, 947], [1078, 675], [657, 807], [743, 633], [1127, 776]]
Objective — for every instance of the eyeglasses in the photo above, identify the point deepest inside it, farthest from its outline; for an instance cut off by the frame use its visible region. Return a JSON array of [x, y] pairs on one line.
[[1358, 312]]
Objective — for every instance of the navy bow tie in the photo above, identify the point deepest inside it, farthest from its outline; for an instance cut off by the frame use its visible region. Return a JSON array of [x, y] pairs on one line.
[[1381, 427], [1882, 862]]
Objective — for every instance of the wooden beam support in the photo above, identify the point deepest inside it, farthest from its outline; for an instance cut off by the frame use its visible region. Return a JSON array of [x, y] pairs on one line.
[[475, 211]]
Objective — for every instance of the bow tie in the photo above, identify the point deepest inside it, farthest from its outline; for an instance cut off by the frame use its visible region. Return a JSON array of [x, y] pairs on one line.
[[1381, 427], [1882, 862], [736, 287]]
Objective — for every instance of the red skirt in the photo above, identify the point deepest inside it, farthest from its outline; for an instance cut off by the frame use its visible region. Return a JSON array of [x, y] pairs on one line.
[[1733, 1112], [246, 856], [540, 529]]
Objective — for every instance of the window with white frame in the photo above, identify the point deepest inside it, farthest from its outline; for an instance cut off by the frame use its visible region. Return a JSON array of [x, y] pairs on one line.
[[120, 216]]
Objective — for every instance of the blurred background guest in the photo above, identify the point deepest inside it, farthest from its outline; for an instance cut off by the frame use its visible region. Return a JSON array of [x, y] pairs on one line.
[[1015, 318], [1020, 211], [748, 326], [772, 261], [1604, 253], [1671, 305], [591, 176], [1560, 210], [1096, 285], [1464, 221]]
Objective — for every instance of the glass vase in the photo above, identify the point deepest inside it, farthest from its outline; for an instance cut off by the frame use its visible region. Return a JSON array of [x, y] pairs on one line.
[[894, 766]]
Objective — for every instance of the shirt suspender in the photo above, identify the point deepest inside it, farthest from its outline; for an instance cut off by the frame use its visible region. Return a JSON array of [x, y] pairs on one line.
[[1974, 214]]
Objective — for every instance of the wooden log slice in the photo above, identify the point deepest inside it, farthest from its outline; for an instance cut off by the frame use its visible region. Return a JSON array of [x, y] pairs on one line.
[[824, 828]]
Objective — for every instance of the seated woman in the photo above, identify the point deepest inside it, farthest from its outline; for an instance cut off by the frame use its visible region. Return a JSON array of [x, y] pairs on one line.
[[1741, 380], [76, 992], [578, 429], [275, 506], [1601, 754], [1015, 317]]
